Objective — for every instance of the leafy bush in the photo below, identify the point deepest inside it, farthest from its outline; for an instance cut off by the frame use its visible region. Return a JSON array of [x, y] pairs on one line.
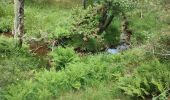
[[85, 28], [90, 25], [62, 57]]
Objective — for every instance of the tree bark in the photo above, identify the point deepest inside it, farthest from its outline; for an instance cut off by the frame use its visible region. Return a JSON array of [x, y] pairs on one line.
[[19, 22], [106, 19], [84, 4]]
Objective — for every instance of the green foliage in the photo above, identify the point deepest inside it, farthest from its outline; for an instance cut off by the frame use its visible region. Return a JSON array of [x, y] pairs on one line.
[[89, 93], [159, 46], [15, 64], [163, 42], [135, 72], [85, 29], [40, 17], [27, 93], [143, 28], [163, 96], [55, 22], [89, 71], [113, 33], [6, 16], [6, 8], [6, 47], [90, 25], [75, 76], [62, 57], [1, 12], [149, 79], [67, 4], [120, 6], [6, 24]]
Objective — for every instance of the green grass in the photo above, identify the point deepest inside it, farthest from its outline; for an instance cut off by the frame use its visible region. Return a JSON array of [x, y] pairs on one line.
[[40, 18], [103, 74], [52, 20]]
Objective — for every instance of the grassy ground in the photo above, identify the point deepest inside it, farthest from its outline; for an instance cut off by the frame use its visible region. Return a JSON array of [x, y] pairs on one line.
[[40, 17]]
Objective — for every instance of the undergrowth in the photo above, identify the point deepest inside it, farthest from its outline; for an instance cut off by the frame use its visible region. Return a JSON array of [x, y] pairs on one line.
[[124, 71], [15, 64]]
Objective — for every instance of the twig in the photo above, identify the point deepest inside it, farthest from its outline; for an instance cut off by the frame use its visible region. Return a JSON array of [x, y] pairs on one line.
[[162, 54], [34, 50]]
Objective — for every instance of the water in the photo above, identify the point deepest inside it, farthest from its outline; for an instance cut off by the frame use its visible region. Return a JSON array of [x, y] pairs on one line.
[[120, 48], [112, 50]]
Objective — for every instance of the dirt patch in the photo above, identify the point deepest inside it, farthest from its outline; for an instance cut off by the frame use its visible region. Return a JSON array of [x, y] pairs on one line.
[[39, 48], [7, 34]]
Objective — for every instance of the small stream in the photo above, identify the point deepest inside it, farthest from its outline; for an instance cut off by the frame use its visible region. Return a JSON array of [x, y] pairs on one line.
[[120, 48], [112, 51]]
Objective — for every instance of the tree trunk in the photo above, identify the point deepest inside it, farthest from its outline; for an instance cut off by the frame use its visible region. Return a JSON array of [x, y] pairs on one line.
[[19, 22], [84, 4], [106, 19]]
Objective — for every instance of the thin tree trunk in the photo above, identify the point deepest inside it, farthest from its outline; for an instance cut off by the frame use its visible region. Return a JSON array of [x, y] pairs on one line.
[[106, 19], [84, 4], [19, 22]]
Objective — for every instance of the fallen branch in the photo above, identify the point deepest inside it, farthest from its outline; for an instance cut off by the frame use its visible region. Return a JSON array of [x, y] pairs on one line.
[[162, 54]]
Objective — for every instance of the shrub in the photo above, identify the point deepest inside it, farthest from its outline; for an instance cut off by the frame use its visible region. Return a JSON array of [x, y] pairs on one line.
[[62, 57], [90, 25], [84, 27]]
